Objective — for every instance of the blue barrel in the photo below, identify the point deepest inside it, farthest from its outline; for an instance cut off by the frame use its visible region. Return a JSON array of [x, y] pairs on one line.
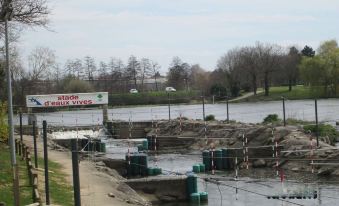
[[203, 196], [143, 164], [145, 144], [202, 167], [135, 164], [196, 168], [218, 159], [206, 160], [225, 159], [128, 166], [192, 185], [195, 198]]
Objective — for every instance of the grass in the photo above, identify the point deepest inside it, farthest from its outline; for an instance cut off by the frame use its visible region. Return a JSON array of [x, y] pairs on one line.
[[298, 92], [61, 192], [6, 182]]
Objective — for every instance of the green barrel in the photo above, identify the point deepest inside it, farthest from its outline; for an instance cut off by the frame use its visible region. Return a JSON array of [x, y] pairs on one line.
[[140, 147], [150, 171], [195, 198], [218, 159], [196, 168], [97, 146], [203, 196], [102, 147], [157, 171], [206, 160], [225, 159], [202, 167], [128, 166], [135, 164], [143, 164], [145, 144], [192, 184]]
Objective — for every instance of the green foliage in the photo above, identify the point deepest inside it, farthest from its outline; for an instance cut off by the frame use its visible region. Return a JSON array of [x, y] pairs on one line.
[[78, 86], [324, 130], [271, 118], [210, 117], [323, 69], [3, 122], [152, 98], [219, 90]]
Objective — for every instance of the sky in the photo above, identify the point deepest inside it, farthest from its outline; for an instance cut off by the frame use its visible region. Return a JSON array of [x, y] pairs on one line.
[[198, 31]]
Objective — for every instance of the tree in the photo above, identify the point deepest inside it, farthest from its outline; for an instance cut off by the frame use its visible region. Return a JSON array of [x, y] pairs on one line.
[[178, 72], [41, 61], [154, 72], [145, 68], [269, 56], [291, 62], [249, 64], [89, 67], [323, 69], [132, 69], [308, 51], [74, 67]]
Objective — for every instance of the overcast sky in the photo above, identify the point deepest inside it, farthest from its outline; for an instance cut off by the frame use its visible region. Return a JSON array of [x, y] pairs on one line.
[[198, 31]]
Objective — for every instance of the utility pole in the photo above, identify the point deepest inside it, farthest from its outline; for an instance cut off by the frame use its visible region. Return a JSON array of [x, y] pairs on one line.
[[169, 106], [5, 15], [283, 98], [203, 107], [316, 121]]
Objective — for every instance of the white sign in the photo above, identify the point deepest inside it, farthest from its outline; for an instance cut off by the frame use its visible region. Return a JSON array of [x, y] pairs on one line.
[[64, 100]]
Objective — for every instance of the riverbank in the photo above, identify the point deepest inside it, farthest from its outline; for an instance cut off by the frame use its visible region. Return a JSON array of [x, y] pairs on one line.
[[97, 187]]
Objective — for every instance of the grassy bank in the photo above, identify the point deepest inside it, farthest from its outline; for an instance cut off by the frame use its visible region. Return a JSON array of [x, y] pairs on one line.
[[6, 182], [148, 98], [298, 92], [61, 193]]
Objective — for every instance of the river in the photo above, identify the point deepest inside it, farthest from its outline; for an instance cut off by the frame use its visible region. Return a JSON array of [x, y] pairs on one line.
[[254, 112]]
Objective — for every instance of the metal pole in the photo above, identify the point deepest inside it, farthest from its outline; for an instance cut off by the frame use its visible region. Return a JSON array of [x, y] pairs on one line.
[[76, 179], [203, 107], [169, 107], [316, 121], [44, 133], [228, 117], [283, 98], [20, 115], [10, 121], [35, 147]]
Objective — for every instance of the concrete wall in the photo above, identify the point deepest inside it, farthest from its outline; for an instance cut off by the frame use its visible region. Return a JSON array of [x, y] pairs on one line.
[[166, 189], [121, 129]]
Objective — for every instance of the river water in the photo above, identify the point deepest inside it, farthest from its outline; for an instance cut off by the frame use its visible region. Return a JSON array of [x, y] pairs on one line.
[[253, 185], [328, 110]]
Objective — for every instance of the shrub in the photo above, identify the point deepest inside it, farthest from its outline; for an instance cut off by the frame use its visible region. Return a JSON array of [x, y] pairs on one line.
[[210, 117], [271, 118], [3, 122], [324, 130]]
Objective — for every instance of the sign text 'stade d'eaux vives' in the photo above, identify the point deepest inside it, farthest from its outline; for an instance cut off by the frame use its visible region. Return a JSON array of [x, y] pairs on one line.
[[63, 100]]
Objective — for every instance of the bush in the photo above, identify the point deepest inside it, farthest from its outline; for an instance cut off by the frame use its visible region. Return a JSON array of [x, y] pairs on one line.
[[3, 122], [324, 130], [271, 118], [210, 117]]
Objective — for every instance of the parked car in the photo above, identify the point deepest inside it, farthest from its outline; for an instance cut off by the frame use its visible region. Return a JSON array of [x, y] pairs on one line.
[[170, 89], [133, 91]]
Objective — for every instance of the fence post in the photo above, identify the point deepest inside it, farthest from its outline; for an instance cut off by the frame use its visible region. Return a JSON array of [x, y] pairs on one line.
[[316, 121], [284, 114], [203, 107], [20, 119], [76, 179], [228, 117], [44, 133], [35, 146], [169, 106]]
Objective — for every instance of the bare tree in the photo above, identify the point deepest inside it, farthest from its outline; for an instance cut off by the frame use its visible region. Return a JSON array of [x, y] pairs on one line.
[[41, 61], [249, 64], [74, 67], [268, 60], [132, 69], [26, 12], [145, 68], [154, 72], [89, 67]]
